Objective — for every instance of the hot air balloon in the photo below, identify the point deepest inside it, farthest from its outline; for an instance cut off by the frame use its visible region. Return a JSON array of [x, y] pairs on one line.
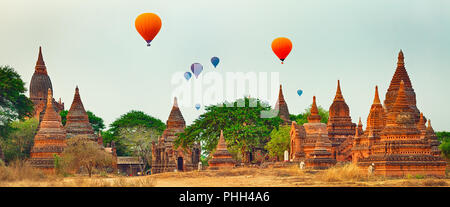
[[299, 92], [197, 106], [187, 75], [148, 26], [196, 68], [281, 46], [215, 61]]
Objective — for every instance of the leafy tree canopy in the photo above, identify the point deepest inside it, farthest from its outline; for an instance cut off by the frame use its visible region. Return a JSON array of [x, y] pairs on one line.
[[303, 117], [127, 123], [83, 153], [279, 142], [241, 122], [13, 102], [17, 145], [444, 138]]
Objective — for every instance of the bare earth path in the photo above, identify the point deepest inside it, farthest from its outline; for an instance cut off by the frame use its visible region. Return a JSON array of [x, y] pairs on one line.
[[241, 177]]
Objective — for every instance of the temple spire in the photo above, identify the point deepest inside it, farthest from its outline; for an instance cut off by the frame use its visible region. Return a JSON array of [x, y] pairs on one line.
[[401, 100], [314, 117], [281, 106], [40, 64], [376, 100], [175, 102], [338, 93], [400, 59]]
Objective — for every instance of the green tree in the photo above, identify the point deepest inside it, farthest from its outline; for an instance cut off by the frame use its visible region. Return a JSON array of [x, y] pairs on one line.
[[303, 117], [18, 144], [82, 153], [13, 102], [128, 122], [279, 142], [444, 138], [242, 126], [138, 141], [96, 122]]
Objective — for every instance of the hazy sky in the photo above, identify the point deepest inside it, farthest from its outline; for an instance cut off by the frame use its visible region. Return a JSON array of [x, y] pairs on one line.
[[94, 44]]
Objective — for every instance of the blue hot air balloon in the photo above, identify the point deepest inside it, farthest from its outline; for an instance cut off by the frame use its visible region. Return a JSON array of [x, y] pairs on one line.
[[197, 106], [299, 92], [187, 75], [215, 61], [196, 68]]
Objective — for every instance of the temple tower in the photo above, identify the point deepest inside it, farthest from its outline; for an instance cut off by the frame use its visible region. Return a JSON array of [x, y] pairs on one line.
[[165, 157], [401, 149], [282, 107], [391, 94], [313, 130], [49, 139], [340, 124], [221, 157], [39, 85], [77, 123]]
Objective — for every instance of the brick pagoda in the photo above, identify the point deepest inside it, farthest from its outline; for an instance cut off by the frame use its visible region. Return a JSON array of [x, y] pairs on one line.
[[221, 157], [282, 107], [39, 85], [77, 123], [165, 158], [49, 139]]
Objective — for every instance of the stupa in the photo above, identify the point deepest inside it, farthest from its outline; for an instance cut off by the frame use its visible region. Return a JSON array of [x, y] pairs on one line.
[[49, 139], [165, 158], [221, 157], [39, 85], [77, 123]]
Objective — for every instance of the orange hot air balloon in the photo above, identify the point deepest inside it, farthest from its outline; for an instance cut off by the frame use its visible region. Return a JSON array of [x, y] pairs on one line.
[[148, 26], [282, 46]]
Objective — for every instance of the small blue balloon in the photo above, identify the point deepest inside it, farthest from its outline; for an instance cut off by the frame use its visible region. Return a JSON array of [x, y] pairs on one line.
[[197, 106], [215, 61], [299, 92], [187, 75]]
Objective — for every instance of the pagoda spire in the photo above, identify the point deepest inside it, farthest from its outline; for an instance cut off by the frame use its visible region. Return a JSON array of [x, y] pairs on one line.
[[400, 73], [175, 102], [175, 119], [40, 64], [421, 125], [400, 59], [401, 100], [314, 117], [282, 107], [338, 96], [376, 100]]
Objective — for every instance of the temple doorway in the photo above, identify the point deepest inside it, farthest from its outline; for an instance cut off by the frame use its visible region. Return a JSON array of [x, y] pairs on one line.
[[180, 164]]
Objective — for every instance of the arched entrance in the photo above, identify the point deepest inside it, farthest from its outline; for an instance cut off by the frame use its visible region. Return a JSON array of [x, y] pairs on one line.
[[180, 164]]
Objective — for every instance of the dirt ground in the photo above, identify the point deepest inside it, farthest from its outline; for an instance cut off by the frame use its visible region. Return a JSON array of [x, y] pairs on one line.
[[240, 177]]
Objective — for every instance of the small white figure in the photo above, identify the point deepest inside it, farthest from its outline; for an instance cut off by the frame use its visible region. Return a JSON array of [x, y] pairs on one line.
[[302, 165], [199, 166]]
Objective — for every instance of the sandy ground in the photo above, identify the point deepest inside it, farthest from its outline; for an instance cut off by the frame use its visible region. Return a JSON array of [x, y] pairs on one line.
[[241, 177]]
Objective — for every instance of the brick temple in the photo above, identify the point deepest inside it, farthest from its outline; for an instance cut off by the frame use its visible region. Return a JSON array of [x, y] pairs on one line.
[[221, 158], [49, 140], [167, 158], [51, 135], [39, 85], [396, 140]]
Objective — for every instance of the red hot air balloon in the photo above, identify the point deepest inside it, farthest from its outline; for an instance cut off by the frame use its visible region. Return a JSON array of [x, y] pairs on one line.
[[281, 46], [148, 26]]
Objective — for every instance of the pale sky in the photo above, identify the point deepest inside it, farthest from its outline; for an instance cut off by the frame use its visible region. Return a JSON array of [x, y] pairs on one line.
[[94, 44]]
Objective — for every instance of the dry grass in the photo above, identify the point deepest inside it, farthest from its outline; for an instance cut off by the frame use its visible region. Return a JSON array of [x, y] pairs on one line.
[[289, 176], [20, 171], [348, 172]]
